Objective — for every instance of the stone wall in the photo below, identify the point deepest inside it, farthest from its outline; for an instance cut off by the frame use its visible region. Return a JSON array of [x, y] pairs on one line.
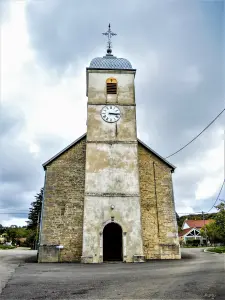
[[159, 226], [62, 221]]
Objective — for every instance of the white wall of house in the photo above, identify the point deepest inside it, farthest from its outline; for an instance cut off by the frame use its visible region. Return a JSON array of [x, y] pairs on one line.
[[196, 235], [185, 226]]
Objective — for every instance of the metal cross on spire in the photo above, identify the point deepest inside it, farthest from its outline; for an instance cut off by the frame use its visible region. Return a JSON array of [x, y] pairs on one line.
[[110, 34]]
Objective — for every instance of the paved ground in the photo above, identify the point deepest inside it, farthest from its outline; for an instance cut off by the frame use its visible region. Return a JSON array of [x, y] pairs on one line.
[[198, 276], [10, 260]]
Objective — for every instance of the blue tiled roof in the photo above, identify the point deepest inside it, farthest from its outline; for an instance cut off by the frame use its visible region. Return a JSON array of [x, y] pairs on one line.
[[110, 62]]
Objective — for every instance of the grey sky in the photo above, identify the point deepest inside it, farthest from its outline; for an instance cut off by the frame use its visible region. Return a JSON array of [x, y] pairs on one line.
[[177, 49]]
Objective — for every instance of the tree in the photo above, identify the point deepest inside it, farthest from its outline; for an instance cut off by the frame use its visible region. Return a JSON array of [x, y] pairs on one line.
[[31, 238], [14, 233], [2, 229], [35, 211], [34, 219], [211, 231], [220, 220], [195, 217], [178, 222]]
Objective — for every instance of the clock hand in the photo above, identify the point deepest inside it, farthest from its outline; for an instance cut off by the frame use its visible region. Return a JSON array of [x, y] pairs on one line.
[[113, 113]]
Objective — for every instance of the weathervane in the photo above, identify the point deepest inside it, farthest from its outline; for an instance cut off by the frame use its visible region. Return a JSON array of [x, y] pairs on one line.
[[110, 34]]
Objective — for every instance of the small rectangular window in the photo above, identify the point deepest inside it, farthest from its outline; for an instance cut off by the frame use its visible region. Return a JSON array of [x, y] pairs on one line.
[[111, 88]]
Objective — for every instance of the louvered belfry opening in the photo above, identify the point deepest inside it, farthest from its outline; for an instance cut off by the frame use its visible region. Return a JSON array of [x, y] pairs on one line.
[[111, 86]]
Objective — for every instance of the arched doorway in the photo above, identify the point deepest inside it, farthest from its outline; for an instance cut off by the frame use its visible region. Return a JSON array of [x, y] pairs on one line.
[[112, 242]]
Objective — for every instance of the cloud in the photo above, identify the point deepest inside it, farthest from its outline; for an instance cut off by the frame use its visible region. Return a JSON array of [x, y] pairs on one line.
[[192, 77], [176, 47], [13, 221], [4, 11], [40, 114], [212, 166]]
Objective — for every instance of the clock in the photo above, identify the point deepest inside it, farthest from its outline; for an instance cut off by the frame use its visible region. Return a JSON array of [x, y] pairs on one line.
[[110, 113]]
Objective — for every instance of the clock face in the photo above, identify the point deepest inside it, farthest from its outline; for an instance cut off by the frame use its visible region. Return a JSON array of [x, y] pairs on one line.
[[110, 113]]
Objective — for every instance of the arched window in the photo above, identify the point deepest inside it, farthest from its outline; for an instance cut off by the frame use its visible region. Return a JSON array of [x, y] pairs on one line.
[[111, 86]]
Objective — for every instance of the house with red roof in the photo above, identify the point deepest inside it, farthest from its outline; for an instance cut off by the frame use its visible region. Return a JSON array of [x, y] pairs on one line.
[[190, 230]]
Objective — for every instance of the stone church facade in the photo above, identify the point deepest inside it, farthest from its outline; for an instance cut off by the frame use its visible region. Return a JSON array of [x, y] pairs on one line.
[[108, 196]]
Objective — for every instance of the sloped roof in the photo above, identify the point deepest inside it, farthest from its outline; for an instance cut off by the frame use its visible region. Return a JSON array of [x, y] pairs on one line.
[[84, 135], [185, 231], [197, 223], [156, 154], [64, 150]]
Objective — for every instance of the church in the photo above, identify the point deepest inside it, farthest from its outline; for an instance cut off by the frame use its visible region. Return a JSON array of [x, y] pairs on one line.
[[108, 196]]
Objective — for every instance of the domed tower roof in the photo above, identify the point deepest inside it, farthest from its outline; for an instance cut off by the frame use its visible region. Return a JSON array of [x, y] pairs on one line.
[[109, 61]]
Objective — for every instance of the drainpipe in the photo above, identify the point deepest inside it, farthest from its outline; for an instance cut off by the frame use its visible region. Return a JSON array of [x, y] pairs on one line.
[[41, 216]]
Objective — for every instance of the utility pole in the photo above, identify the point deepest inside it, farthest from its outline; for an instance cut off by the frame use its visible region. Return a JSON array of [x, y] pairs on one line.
[[203, 218], [223, 201], [37, 231]]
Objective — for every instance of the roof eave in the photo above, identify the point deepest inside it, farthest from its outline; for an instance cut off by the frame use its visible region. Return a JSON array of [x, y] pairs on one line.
[[107, 69], [188, 231], [159, 156], [44, 165], [82, 136]]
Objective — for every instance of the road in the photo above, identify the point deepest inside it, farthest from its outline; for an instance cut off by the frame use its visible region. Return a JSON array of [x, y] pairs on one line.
[[10, 260], [198, 275]]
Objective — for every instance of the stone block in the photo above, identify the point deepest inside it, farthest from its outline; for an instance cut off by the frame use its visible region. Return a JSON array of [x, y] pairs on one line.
[[48, 253], [87, 259], [138, 258]]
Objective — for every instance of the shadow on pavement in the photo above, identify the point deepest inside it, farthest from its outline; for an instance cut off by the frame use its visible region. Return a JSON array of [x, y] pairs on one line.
[[31, 259], [184, 256], [187, 256]]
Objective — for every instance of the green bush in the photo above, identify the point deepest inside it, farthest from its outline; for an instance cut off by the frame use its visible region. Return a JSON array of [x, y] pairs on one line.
[[23, 244], [217, 249], [192, 243], [5, 247], [196, 243]]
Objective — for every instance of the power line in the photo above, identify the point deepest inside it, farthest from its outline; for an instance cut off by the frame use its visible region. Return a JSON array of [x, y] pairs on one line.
[[190, 213], [10, 210], [217, 197], [198, 134], [13, 213], [179, 213]]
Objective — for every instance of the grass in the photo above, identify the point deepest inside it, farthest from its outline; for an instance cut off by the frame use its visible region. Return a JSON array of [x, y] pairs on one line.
[[191, 246], [220, 249], [5, 247]]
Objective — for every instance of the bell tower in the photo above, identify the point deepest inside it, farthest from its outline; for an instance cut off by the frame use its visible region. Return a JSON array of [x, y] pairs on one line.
[[112, 196]]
